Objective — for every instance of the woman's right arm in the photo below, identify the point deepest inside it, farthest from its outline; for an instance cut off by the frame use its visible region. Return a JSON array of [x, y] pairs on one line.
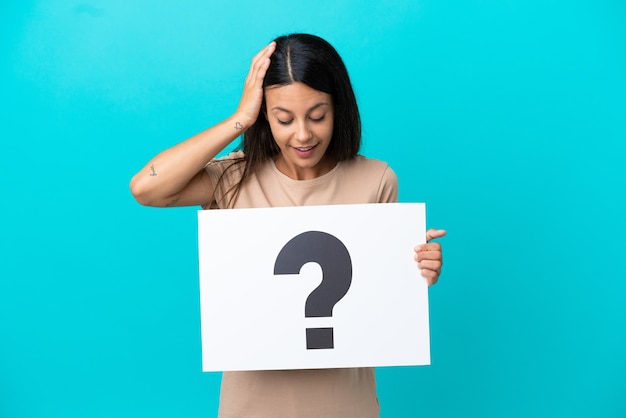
[[176, 176]]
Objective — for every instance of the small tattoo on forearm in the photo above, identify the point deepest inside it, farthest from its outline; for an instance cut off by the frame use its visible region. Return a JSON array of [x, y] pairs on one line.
[[172, 203], [153, 172], [238, 126]]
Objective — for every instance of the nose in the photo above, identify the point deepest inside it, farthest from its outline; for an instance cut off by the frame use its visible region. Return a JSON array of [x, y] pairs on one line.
[[303, 132]]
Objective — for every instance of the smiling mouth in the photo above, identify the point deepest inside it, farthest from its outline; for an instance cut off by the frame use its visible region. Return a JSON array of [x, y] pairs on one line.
[[305, 150]]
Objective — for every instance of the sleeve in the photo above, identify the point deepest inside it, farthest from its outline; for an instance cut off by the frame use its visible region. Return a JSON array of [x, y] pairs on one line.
[[388, 189], [225, 173]]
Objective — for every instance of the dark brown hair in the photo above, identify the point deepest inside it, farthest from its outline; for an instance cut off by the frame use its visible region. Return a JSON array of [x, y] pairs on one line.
[[311, 60]]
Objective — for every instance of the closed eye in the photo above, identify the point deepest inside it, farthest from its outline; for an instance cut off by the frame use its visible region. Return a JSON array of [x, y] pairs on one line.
[[288, 122]]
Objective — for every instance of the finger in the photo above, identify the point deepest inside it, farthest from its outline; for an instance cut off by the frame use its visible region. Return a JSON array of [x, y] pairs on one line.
[[434, 265], [432, 247], [428, 255], [263, 54], [252, 95], [266, 51], [430, 276], [433, 233], [260, 61]]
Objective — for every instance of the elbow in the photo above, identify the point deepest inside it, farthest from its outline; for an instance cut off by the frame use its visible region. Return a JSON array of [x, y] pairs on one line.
[[140, 192]]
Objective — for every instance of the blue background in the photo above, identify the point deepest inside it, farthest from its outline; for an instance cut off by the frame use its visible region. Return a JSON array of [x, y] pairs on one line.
[[506, 117]]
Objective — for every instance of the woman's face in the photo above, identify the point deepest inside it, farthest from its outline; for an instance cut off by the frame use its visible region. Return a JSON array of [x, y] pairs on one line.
[[301, 120]]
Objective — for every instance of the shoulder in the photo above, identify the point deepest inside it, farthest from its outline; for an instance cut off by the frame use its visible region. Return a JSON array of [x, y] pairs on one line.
[[234, 156], [217, 166], [370, 173], [225, 173], [368, 166]]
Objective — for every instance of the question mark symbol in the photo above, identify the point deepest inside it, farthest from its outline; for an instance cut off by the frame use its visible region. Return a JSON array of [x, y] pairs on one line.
[[333, 258]]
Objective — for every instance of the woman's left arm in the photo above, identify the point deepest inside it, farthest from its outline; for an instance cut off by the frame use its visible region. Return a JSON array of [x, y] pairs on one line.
[[429, 257]]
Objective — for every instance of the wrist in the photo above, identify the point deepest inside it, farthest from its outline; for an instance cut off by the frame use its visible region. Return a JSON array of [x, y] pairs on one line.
[[241, 121]]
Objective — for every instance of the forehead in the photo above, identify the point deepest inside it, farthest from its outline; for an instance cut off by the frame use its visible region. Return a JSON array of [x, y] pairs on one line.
[[294, 97]]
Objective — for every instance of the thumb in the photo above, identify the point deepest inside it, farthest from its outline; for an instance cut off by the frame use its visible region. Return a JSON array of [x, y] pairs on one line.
[[433, 233]]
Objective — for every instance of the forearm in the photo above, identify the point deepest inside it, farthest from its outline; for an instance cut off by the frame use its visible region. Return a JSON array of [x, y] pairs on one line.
[[170, 172], [174, 177]]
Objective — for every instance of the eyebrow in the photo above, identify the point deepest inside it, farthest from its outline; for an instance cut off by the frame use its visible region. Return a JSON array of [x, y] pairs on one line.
[[282, 109]]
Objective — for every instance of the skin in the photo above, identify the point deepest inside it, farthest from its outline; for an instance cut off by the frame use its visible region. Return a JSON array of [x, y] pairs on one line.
[[299, 117], [301, 120], [429, 256]]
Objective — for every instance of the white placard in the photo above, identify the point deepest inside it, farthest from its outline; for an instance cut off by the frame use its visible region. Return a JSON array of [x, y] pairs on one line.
[[255, 319]]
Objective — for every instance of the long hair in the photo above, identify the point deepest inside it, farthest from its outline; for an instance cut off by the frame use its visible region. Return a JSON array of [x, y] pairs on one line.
[[310, 60]]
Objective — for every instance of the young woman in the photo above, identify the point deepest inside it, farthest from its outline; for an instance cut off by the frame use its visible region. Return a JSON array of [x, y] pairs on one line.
[[301, 137]]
